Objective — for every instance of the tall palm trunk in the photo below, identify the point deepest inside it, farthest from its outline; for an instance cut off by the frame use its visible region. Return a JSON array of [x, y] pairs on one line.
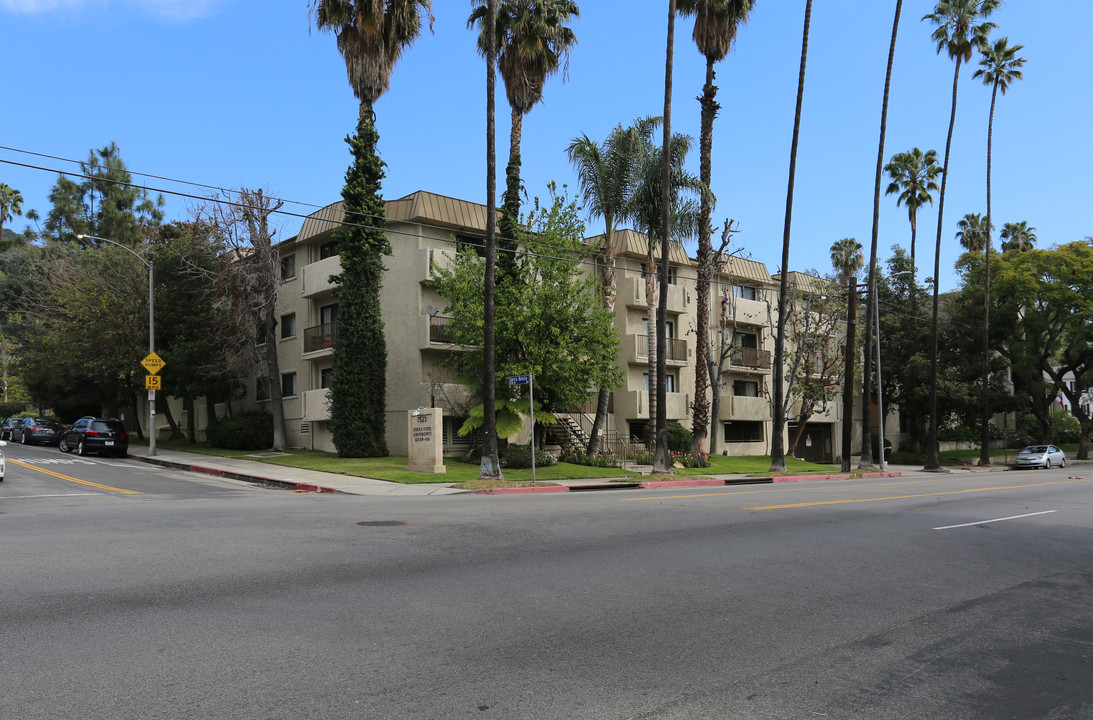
[[700, 418], [652, 303], [914, 234], [491, 467], [609, 280], [932, 460], [868, 361], [985, 436], [777, 439], [660, 461]]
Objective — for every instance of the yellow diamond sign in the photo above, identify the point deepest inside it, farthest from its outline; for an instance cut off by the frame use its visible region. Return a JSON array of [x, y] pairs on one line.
[[153, 363]]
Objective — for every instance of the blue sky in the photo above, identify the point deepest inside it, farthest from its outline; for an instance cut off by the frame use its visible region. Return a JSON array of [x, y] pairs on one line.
[[220, 93]]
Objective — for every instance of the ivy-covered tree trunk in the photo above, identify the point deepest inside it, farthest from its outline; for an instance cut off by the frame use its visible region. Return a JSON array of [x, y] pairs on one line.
[[358, 391], [508, 223]]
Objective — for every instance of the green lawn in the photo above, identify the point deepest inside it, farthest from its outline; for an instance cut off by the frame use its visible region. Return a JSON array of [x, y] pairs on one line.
[[393, 468]]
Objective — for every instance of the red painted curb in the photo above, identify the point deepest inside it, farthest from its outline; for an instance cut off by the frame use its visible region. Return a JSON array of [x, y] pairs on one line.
[[506, 491], [679, 483], [207, 471]]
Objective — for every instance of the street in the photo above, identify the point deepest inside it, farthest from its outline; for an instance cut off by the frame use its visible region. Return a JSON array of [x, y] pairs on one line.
[[938, 596]]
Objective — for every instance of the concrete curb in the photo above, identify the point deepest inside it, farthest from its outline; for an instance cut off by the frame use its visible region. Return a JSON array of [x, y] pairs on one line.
[[233, 475], [682, 483]]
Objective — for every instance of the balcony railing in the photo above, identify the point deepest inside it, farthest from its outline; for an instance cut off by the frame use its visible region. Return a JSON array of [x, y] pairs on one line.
[[320, 337], [440, 330], [750, 357], [677, 348]]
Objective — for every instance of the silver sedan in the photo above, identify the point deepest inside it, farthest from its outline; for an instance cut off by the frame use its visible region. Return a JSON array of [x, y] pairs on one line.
[[1044, 456]]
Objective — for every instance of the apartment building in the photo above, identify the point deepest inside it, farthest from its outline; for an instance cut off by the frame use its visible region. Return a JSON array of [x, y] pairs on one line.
[[425, 230]]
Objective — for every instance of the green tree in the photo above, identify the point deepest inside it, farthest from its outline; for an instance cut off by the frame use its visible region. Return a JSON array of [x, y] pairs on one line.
[[998, 67], [106, 203], [371, 36], [961, 28], [11, 204], [551, 314], [777, 440], [608, 176], [716, 25], [1018, 237], [914, 176], [1047, 308], [533, 41]]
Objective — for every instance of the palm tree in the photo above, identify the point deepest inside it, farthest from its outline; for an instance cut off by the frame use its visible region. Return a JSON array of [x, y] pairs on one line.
[[914, 176], [1017, 237], [998, 67], [371, 36], [867, 365], [961, 28], [608, 175], [533, 42], [716, 24], [974, 235], [777, 440], [846, 258], [490, 469], [11, 204], [648, 215]]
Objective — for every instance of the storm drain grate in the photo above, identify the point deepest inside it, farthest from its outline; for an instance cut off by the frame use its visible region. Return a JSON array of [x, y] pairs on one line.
[[382, 523]]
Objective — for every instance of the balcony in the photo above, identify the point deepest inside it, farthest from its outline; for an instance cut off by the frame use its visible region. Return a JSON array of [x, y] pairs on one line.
[[316, 406], [635, 404], [631, 292], [677, 348], [320, 337], [316, 276], [440, 330], [745, 408], [750, 358]]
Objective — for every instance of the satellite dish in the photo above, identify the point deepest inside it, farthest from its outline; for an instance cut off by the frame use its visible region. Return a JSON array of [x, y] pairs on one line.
[[431, 310]]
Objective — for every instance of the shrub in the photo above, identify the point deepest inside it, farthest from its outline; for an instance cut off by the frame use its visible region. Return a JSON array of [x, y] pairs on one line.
[[251, 430], [1067, 427], [689, 460], [679, 438], [577, 456], [518, 457]]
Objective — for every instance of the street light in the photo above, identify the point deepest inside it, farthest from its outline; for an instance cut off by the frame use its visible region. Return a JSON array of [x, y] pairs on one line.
[[151, 330]]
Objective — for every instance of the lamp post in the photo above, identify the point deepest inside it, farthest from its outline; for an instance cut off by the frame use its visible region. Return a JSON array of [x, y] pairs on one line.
[[151, 330]]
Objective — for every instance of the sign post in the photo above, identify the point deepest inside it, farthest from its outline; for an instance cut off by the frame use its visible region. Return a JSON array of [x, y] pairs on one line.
[[153, 364], [528, 380]]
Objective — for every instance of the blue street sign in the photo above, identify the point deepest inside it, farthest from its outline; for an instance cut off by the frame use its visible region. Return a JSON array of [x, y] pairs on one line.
[[519, 379]]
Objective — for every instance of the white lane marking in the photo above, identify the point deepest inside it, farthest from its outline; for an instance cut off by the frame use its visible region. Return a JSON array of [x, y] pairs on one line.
[[55, 461], [984, 522]]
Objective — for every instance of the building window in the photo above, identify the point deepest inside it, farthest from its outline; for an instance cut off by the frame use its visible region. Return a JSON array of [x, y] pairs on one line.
[[745, 292], [745, 388], [325, 376], [742, 431], [669, 328], [288, 384], [465, 242], [745, 340], [328, 314], [669, 382], [328, 250], [288, 326], [288, 267]]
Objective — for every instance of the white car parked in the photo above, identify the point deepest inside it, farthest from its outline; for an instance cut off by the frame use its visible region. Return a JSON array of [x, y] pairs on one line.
[[1044, 456]]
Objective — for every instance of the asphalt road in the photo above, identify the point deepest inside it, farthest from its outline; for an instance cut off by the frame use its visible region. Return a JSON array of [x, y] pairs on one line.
[[930, 597]]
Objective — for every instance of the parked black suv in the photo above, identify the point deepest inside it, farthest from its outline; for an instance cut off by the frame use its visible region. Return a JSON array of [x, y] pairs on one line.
[[35, 430], [97, 435]]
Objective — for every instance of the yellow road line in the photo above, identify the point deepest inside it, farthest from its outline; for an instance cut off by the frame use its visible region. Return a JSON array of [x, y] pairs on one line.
[[72, 479], [911, 497]]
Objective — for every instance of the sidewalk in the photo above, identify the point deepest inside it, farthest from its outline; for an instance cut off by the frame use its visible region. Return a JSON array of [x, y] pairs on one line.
[[323, 482], [286, 477]]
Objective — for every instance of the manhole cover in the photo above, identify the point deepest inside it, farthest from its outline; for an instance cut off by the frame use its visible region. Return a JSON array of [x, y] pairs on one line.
[[382, 523]]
